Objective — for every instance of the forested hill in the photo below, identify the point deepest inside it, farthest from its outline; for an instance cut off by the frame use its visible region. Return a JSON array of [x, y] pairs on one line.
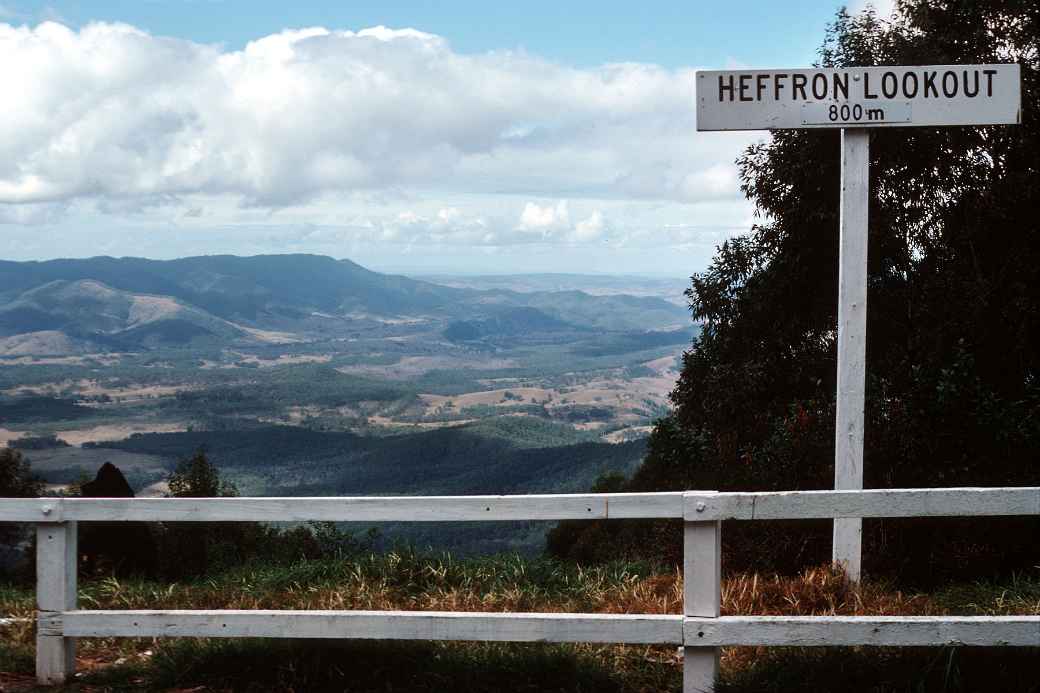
[[527, 457], [237, 288], [105, 303]]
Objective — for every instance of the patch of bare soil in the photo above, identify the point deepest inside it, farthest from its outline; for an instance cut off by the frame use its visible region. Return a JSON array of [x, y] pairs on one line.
[[284, 359], [82, 360], [414, 366], [108, 432], [7, 434], [95, 388]]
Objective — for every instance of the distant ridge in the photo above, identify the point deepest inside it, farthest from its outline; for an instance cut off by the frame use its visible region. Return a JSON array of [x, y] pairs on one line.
[[72, 306]]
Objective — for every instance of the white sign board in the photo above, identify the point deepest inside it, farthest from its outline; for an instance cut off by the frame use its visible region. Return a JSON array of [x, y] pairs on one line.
[[928, 95]]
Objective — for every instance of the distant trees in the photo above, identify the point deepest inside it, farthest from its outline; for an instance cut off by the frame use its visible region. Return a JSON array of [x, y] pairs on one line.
[[953, 346], [40, 442], [16, 481], [16, 477]]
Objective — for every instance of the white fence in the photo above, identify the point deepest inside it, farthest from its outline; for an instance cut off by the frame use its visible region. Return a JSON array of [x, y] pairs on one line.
[[700, 629]]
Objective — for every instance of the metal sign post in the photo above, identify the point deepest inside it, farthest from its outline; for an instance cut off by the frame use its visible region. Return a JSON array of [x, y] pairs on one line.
[[854, 100]]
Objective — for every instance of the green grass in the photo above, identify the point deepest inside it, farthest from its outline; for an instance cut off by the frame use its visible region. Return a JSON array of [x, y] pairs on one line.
[[1019, 595], [405, 578], [16, 657]]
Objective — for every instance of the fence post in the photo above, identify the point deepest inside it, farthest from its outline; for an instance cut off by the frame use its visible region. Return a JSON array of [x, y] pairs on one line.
[[56, 561], [701, 595]]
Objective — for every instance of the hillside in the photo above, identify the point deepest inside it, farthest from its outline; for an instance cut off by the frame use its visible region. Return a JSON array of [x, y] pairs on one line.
[[245, 288], [507, 323], [86, 313], [534, 456], [669, 288], [110, 304]]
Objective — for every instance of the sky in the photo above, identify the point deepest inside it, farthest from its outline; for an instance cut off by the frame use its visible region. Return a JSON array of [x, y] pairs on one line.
[[459, 137]]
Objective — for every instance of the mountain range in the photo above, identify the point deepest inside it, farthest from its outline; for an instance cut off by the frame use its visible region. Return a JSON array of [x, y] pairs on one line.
[[109, 304]]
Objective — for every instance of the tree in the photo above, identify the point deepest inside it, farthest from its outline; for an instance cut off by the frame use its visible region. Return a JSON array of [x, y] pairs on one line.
[[16, 477], [953, 396], [197, 477], [195, 548], [16, 481]]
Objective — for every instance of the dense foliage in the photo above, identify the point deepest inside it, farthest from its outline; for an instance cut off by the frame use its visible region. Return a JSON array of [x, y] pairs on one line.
[[46, 441], [16, 478], [27, 410], [953, 397]]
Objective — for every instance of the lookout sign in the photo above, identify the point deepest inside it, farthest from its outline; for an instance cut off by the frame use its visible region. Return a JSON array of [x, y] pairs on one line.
[[933, 95], [855, 99]]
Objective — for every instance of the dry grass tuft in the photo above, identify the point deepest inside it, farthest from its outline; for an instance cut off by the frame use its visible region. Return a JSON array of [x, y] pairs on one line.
[[820, 591]]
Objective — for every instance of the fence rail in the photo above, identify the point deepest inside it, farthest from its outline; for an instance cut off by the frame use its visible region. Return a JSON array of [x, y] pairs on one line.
[[699, 629]]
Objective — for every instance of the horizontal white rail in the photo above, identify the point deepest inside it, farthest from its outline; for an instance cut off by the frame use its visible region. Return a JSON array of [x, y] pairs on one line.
[[801, 631], [902, 631], [911, 502], [593, 506], [696, 506], [27, 509], [377, 625]]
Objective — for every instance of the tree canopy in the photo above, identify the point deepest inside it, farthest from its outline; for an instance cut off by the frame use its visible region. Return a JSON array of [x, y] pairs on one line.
[[16, 478], [197, 477]]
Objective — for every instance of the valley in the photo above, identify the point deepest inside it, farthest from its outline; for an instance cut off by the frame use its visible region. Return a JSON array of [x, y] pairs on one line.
[[302, 375]]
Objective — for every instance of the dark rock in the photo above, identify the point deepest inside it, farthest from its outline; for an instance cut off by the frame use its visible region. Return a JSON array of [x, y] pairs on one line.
[[116, 548], [109, 483]]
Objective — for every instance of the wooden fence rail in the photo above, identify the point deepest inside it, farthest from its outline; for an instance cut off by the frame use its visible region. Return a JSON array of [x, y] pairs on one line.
[[699, 629]]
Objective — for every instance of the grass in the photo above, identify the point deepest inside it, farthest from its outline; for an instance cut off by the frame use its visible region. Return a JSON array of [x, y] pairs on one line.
[[415, 581]]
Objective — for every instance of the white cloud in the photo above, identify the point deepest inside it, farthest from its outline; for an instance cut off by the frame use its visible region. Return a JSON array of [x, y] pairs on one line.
[[545, 220], [448, 215], [590, 228], [374, 145], [111, 111], [718, 181], [32, 214]]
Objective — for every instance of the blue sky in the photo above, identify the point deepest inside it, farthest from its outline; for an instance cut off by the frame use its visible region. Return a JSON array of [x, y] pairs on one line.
[[582, 33], [463, 136]]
